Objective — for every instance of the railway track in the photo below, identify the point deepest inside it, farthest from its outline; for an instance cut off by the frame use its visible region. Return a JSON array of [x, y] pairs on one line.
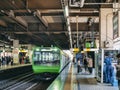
[[24, 82]]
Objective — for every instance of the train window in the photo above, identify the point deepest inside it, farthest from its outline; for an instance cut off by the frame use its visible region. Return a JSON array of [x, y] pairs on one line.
[[46, 57], [43, 56], [56, 56], [50, 56], [37, 56]]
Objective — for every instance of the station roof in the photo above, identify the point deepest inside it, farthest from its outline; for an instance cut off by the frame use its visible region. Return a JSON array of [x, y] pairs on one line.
[[43, 22]]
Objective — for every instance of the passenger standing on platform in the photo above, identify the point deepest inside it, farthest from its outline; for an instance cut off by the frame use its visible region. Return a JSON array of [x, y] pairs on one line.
[[27, 60], [85, 63], [7, 60], [90, 64], [3, 61], [20, 60], [0, 61], [11, 60], [73, 60], [118, 70], [108, 68], [78, 65]]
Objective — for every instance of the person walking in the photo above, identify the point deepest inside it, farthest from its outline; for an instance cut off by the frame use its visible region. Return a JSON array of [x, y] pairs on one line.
[[85, 63], [73, 60], [90, 64], [118, 70], [108, 68], [78, 65]]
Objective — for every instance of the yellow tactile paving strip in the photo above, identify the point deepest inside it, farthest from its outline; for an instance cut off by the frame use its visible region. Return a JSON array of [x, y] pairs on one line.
[[71, 79], [67, 85]]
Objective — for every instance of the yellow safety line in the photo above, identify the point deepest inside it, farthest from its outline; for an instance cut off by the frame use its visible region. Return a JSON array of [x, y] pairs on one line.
[[68, 81]]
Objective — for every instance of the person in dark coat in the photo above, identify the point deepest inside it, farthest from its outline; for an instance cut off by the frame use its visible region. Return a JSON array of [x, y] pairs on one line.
[[11, 60], [78, 65], [118, 70], [73, 60], [85, 63]]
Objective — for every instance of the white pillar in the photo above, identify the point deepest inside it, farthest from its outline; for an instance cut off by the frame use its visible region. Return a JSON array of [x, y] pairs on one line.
[[16, 51], [116, 41], [30, 52], [106, 27]]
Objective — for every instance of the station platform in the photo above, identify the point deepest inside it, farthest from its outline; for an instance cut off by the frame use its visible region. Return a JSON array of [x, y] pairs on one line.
[[78, 81], [7, 71], [6, 67]]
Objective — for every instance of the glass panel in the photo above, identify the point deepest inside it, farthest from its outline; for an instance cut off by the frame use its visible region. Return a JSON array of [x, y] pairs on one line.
[[37, 56]]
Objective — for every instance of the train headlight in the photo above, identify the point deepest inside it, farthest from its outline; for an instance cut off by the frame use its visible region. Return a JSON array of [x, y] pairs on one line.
[[37, 49]]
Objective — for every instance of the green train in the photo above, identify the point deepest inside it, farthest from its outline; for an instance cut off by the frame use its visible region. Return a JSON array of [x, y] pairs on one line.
[[47, 62]]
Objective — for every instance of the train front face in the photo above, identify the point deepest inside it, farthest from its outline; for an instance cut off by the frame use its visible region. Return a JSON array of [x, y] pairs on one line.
[[46, 61]]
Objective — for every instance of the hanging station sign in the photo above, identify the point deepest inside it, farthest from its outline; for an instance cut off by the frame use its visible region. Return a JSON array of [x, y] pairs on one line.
[[76, 50]]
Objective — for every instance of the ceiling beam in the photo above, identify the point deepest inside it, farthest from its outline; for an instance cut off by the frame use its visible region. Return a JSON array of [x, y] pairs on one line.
[[18, 20], [109, 1], [3, 23], [38, 15], [45, 32]]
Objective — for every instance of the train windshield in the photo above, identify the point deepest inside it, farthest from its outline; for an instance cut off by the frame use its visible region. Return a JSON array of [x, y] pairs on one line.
[[46, 57]]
